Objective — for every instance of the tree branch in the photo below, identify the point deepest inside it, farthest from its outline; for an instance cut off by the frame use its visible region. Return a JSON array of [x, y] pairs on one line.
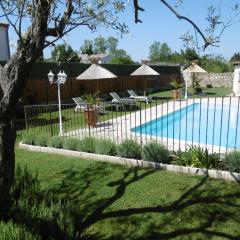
[[11, 23], [59, 29], [137, 9], [180, 17]]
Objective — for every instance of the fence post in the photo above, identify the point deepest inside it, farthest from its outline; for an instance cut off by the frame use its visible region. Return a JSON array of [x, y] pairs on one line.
[[50, 115], [25, 116]]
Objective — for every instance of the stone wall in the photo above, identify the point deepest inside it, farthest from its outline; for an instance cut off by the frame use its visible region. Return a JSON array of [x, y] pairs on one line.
[[214, 79]]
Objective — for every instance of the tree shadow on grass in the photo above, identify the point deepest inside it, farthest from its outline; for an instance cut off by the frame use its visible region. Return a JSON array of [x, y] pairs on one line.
[[82, 203]]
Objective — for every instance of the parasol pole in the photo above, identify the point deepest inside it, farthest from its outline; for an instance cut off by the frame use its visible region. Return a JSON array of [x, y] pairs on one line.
[[145, 86]]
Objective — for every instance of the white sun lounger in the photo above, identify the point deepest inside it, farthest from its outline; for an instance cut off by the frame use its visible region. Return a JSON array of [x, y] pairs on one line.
[[136, 97], [122, 101], [82, 105]]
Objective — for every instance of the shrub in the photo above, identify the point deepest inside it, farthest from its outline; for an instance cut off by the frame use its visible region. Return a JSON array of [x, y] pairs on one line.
[[71, 144], [10, 230], [155, 152], [28, 202], [29, 138], [87, 144], [183, 158], [129, 149], [56, 142], [106, 147], [202, 159], [42, 140], [24, 183], [232, 161], [197, 157]]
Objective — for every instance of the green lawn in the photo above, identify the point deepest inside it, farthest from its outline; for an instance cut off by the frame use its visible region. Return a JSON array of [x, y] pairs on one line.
[[103, 201], [210, 92]]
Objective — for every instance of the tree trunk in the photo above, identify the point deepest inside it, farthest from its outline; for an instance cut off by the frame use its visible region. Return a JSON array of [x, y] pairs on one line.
[[13, 78], [7, 161]]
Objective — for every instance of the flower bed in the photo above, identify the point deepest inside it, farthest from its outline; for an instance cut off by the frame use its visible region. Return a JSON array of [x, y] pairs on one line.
[[129, 153]]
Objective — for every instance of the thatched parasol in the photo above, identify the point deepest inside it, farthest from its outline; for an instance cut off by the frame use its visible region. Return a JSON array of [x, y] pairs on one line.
[[144, 70], [95, 72], [189, 73]]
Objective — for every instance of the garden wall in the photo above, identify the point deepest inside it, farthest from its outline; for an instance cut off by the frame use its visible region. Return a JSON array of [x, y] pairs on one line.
[[39, 90], [214, 79]]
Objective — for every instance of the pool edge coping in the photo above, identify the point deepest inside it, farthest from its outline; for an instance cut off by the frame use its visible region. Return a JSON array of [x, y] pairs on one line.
[[217, 174]]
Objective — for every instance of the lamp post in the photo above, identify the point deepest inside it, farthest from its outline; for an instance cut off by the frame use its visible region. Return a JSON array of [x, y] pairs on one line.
[[61, 79]]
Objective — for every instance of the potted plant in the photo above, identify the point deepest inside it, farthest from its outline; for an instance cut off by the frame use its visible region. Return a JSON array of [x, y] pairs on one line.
[[176, 92], [197, 88], [91, 111]]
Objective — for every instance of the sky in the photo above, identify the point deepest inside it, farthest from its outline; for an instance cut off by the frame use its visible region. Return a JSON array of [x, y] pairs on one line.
[[159, 24]]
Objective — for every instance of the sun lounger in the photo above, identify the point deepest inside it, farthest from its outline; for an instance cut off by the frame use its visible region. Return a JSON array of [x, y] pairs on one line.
[[122, 101], [82, 105], [136, 97]]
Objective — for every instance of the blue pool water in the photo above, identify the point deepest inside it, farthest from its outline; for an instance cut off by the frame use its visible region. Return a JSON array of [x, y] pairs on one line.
[[205, 123]]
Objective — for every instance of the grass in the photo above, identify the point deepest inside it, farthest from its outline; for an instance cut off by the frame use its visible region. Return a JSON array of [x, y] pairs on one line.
[[210, 92], [117, 202]]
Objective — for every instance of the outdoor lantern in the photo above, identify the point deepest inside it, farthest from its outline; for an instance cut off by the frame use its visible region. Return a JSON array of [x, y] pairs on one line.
[[59, 77], [51, 77], [63, 77]]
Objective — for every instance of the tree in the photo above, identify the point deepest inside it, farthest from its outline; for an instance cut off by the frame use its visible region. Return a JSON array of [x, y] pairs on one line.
[[38, 24], [165, 52], [100, 45], [160, 52], [216, 25], [87, 47], [155, 49], [121, 57], [215, 64], [235, 57], [64, 53], [112, 44], [190, 55]]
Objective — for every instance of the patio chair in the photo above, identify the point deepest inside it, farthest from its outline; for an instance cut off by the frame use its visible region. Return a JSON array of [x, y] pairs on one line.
[[122, 101], [82, 105], [136, 97]]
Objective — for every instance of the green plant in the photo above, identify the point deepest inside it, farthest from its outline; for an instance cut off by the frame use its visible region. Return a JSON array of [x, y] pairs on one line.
[[129, 149], [42, 140], [175, 84], [202, 159], [155, 152], [24, 183], [183, 158], [197, 157], [196, 86], [87, 144], [91, 99], [56, 142], [29, 138], [232, 161], [71, 144], [106, 147]]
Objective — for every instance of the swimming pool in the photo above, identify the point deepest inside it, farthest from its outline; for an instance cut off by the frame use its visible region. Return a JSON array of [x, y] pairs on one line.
[[214, 123]]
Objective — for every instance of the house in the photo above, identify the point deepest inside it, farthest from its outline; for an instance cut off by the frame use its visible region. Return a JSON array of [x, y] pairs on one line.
[[103, 58], [4, 40]]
